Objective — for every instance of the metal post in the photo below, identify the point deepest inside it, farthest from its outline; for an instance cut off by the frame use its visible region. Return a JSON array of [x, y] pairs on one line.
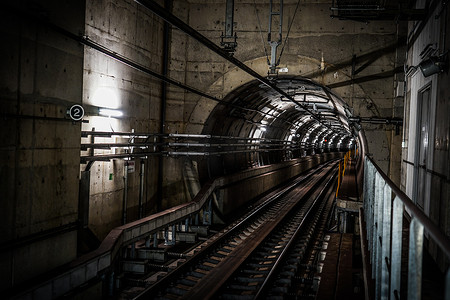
[[373, 255], [386, 242], [174, 230], [125, 193], [379, 231], [111, 284], [141, 188], [396, 257], [207, 213], [155, 240], [229, 14], [166, 236], [415, 260], [370, 204], [274, 44], [186, 225], [367, 187], [133, 250]]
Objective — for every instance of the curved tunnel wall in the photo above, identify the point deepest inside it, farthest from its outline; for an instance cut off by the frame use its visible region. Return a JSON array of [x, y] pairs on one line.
[[256, 112]]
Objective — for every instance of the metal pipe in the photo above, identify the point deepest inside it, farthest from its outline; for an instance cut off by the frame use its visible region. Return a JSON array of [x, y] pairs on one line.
[[188, 135], [192, 145], [125, 193], [141, 187], [172, 153]]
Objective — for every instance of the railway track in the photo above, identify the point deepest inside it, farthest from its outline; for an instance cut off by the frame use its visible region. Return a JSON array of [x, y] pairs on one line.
[[259, 254]]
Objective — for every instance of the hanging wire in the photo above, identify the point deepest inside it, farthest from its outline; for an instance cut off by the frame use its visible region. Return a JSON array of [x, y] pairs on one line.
[[260, 32], [287, 35]]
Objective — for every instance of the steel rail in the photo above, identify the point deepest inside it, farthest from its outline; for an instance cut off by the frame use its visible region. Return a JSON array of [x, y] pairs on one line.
[[174, 274], [218, 279], [172, 19], [270, 277]]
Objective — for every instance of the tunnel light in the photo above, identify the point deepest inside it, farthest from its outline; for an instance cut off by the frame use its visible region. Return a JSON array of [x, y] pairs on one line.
[[110, 112], [105, 97], [433, 65]]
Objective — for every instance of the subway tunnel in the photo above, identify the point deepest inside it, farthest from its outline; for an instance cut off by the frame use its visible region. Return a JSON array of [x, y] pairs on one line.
[[139, 136], [257, 112]]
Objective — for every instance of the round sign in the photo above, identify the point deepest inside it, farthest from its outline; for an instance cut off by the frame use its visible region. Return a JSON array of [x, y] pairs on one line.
[[76, 112]]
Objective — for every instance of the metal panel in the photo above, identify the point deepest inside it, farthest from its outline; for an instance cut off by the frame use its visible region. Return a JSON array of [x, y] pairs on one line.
[[374, 229], [386, 246], [415, 260], [379, 198], [396, 255]]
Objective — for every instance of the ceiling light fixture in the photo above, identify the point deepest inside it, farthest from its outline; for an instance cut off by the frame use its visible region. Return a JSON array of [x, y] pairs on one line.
[[433, 65]]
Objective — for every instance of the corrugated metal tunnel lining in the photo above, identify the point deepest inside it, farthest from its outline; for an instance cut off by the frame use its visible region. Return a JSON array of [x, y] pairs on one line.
[[258, 112]]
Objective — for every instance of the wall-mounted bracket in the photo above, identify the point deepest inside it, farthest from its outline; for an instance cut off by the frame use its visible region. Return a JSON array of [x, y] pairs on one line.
[[228, 40]]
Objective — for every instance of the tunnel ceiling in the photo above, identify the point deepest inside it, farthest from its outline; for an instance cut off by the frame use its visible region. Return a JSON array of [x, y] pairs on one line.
[[257, 111]]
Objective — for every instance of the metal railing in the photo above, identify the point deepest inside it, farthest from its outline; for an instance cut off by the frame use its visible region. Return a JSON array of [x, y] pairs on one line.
[[384, 207], [199, 211]]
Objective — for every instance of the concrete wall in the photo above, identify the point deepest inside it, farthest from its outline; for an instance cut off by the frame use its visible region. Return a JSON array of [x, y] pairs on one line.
[[234, 196], [135, 33], [40, 78]]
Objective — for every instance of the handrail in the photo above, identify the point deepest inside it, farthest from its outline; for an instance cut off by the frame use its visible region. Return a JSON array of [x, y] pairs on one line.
[[383, 215], [441, 239]]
